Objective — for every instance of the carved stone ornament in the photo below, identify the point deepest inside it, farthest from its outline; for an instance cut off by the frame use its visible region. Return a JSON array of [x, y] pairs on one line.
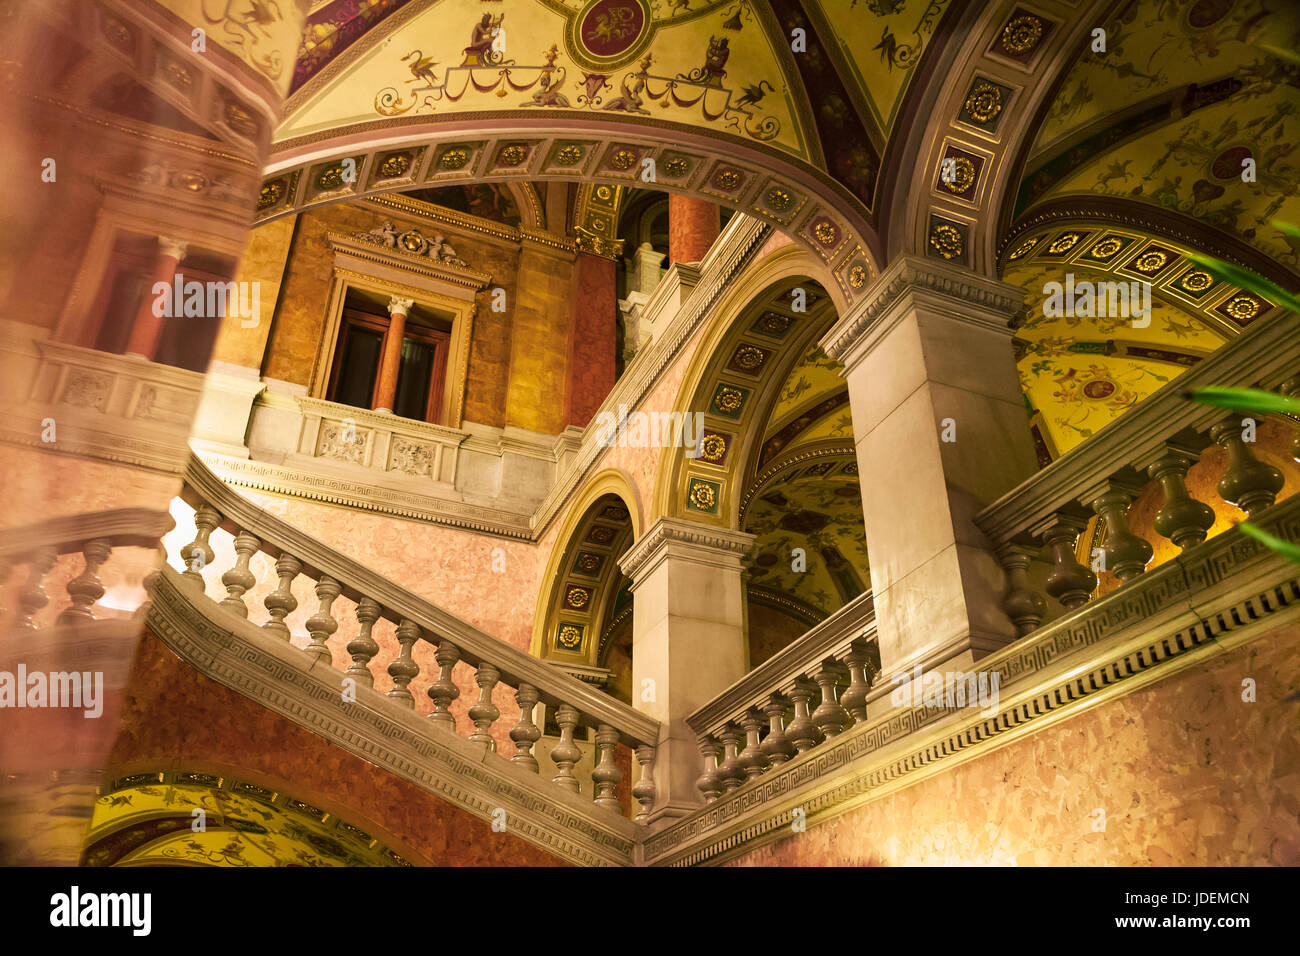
[[413, 242]]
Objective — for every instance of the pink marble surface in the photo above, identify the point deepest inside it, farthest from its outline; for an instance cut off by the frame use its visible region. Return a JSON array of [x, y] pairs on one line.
[[1185, 772]]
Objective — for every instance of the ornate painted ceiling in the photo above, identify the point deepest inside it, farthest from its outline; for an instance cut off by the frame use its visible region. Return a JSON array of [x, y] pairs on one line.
[[149, 819], [712, 65], [806, 494], [722, 66], [1138, 161], [1203, 86]]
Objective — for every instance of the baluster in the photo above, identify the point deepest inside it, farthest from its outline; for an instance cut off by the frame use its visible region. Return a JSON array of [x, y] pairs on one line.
[[32, 597], [322, 624], [643, 791], [566, 753], [1248, 483], [754, 761], [280, 603], [444, 690], [86, 588], [730, 770], [1023, 605], [776, 744], [1126, 555], [363, 647], [1182, 519], [525, 733], [710, 781], [1070, 582], [198, 554], [483, 712], [239, 579], [855, 698], [606, 775], [830, 715], [403, 669], [803, 733], [1291, 389]]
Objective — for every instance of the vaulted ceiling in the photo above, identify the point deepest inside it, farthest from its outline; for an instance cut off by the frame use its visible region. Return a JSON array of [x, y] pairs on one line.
[[1046, 135], [1180, 137]]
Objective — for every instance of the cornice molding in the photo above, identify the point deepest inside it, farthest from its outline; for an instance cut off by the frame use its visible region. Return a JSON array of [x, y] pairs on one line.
[[452, 218], [370, 251], [699, 542], [280, 677], [967, 295]]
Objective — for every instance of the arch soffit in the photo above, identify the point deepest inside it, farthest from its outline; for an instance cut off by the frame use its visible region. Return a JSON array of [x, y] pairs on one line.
[[377, 158], [982, 118], [610, 481], [731, 320]]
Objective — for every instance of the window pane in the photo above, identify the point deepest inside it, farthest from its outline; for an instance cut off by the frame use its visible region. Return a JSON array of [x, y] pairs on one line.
[[361, 352], [413, 380]]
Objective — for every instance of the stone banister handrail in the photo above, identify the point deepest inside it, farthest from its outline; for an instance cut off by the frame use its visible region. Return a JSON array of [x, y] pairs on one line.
[[829, 638], [125, 527], [834, 655], [574, 703], [95, 535], [1157, 442], [1264, 356]]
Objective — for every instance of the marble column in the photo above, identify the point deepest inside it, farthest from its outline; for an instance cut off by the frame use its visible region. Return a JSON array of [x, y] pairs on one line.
[[147, 329], [688, 640], [592, 337], [693, 227], [940, 426], [391, 361]]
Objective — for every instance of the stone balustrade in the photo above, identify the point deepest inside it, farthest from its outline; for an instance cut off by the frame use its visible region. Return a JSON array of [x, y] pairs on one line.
[[94, 535], [807, 693], [1158, 441], [573, 703]]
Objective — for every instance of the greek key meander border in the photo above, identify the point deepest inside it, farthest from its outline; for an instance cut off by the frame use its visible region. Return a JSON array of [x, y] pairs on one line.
[[218, 653], [1223, 556]]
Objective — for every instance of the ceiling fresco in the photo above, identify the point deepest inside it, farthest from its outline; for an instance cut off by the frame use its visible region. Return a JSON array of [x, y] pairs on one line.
[[880, 43], [815, 379], [806, 494], [1079, 373], [815, 506], [1211, 86], [148, 820], [713, 66]]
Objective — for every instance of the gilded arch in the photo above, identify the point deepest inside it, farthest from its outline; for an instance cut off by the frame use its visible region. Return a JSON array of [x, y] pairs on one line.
[[582, 581], [757, 316]]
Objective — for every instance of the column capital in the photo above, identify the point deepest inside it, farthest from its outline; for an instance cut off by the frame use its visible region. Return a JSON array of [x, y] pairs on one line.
[[172, 248], [952, 290], [719, 547], [398, 304]]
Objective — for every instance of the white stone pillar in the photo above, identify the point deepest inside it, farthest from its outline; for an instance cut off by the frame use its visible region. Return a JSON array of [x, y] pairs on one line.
[[688, 641], [649, 268], [941, 431]]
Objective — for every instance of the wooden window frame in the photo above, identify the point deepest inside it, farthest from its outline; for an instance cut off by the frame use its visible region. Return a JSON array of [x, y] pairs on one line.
[[439, 340], [448, 302]]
